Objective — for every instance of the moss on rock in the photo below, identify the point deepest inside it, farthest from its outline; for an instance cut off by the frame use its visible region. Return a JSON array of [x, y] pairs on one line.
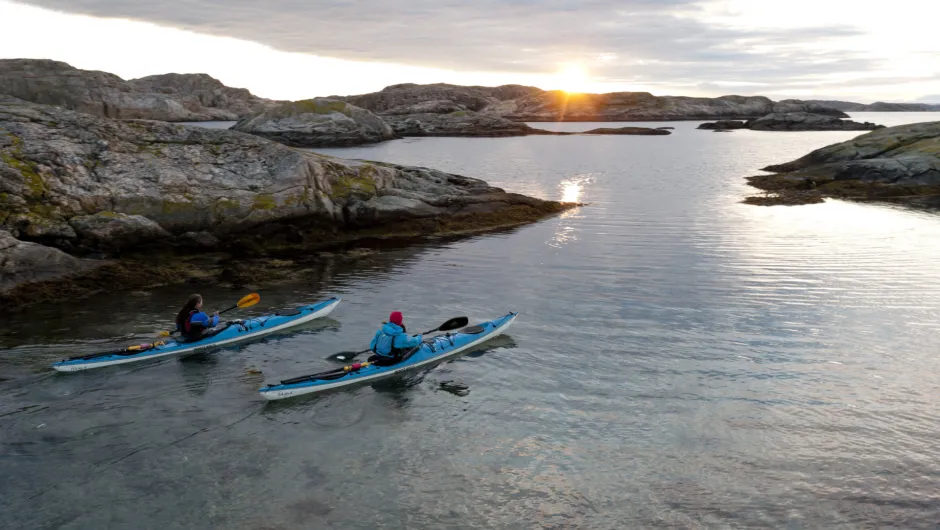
[[264, 201]]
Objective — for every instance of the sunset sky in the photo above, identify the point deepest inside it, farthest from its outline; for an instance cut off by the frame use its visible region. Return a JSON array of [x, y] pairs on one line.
[[294, 49]]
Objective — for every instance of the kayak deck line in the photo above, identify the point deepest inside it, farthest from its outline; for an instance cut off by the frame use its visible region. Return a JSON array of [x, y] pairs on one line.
[[231, 334], [433, 350]]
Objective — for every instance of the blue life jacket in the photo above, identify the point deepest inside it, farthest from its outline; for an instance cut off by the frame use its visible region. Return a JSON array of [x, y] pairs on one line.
[[197, 323], [391, 341]]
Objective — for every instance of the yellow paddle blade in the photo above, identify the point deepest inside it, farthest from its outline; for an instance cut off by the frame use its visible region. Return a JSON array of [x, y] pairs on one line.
[[249, 300], [163, 334]]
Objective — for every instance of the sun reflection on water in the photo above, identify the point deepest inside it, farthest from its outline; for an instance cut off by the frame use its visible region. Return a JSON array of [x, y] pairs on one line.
[[572, 191]]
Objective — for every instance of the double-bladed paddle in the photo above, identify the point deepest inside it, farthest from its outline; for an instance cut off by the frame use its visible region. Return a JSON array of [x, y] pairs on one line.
[[454, 323], [246, 301]]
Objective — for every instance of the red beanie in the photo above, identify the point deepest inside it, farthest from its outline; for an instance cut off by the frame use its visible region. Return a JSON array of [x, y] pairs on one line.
[[396, 318]]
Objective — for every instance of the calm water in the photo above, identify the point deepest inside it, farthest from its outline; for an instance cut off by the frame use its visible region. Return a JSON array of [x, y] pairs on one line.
[[681, 360]]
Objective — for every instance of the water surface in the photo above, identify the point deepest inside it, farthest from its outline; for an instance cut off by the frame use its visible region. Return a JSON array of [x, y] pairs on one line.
[[681, 360]]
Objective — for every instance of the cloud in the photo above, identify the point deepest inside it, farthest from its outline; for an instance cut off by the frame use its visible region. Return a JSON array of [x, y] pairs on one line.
[[687, 47], [617, 39]]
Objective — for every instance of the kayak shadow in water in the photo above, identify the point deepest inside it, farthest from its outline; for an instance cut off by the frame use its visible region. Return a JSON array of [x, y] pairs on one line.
[[396, 387]]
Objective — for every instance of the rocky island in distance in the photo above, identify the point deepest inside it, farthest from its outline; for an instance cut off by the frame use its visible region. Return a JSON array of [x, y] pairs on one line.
[[791, 121], [894, 164]]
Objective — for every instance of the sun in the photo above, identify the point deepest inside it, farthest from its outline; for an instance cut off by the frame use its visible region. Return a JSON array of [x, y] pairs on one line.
[[572, 79]]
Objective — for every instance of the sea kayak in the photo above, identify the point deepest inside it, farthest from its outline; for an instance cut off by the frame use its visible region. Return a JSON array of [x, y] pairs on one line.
[[432, 350], [225, 335]]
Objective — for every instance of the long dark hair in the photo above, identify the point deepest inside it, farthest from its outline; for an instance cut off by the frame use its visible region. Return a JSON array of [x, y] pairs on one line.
[[183, 315]]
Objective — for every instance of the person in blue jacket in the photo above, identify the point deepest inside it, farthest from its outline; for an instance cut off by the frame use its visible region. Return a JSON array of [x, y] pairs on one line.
[[192, 322], [392, 341]]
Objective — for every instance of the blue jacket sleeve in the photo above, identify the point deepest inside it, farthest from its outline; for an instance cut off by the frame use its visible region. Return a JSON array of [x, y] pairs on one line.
[[404, 341], [374, 338], [202, 318]]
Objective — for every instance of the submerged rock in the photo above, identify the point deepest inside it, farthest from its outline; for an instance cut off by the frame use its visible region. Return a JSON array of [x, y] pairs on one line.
[[895, 163], [317, 123], [87, 184], [455, 388], [171, 97]]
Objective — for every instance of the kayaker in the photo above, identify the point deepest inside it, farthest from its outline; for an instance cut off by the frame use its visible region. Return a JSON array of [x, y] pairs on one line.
[[192, 322], [392, 341]]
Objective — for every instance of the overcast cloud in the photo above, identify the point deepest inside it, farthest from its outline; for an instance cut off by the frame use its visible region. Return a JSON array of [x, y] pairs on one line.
[[673, 43]]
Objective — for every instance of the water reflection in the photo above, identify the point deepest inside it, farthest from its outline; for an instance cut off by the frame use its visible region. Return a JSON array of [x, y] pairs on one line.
[[572, 188]]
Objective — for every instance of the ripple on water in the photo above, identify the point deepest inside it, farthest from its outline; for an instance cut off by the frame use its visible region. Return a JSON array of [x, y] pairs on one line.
[[681, 360]]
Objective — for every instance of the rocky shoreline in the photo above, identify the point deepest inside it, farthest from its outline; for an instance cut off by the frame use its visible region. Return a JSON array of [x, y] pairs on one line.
[[168, 97], [895, 164], [394, 112], [125, 202], [791, 121], [450, 110]]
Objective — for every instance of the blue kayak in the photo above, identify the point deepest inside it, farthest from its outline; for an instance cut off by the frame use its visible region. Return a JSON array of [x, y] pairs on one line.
[[433, 350], [228, 334]]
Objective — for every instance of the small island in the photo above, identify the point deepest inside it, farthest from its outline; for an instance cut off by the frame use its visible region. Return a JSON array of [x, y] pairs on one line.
[[897, 164], [642, 131], [791, 121]]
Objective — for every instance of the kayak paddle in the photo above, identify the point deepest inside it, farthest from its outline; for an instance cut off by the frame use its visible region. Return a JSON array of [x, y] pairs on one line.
[[246, 301], [454, 323]]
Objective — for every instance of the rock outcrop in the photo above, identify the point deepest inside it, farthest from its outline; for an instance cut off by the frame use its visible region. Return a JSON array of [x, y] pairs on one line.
[[804, 121], [91, 185], [451, 110], [723, 125], [643, 106], [890, 163], [23, 262], [438, 98], [641, 131], [174, 97], [792, 121], [458, 123], [317, 123], [878, 106], [208, 91]]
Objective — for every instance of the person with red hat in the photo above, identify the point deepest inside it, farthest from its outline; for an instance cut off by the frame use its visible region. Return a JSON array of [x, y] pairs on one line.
[[392, 341]]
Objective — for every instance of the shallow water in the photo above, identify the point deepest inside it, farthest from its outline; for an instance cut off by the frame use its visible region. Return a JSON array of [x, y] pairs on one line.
[[681, 360]]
